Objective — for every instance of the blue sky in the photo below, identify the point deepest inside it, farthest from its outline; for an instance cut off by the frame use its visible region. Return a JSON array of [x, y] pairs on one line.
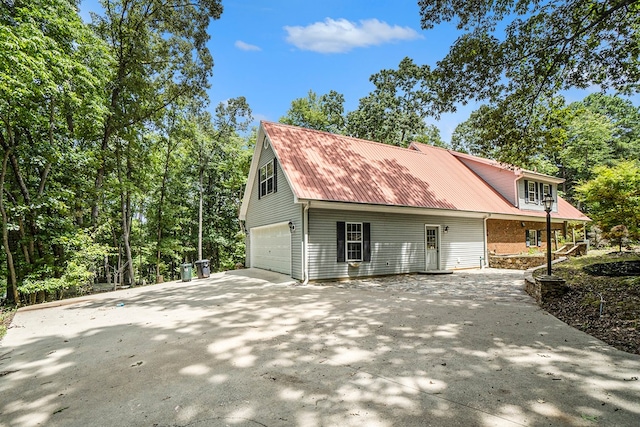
[[273, 52]]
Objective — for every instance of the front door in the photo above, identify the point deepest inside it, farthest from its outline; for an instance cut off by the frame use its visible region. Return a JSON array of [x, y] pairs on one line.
[[431, 247]]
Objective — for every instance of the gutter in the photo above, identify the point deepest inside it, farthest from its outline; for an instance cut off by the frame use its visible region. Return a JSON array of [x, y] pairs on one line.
[[305, 243], [486, 244]]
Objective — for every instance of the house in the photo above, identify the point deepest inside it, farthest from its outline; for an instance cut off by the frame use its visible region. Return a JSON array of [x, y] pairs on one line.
[[319, 206]]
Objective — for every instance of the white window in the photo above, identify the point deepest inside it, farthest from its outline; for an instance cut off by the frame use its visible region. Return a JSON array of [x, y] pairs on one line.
[[354, 241], [532, 192], [533, 238], [545, 190], [267, 179]]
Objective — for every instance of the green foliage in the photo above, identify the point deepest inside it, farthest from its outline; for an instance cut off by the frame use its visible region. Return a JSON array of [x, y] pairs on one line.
[[501, 132], [618, 235], [324, 113], [612, 197], [394, 113], [530, 50]]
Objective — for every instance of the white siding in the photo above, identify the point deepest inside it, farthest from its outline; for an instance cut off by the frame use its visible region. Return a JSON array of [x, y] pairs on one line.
[[274, 208], [397, 243], [502, 180]]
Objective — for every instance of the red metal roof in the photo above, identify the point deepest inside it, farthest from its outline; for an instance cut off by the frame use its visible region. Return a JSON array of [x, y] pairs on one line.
[[329, 167]]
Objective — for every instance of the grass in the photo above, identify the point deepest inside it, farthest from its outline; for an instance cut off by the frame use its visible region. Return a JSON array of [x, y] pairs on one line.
[[618, 323], [6, 315]]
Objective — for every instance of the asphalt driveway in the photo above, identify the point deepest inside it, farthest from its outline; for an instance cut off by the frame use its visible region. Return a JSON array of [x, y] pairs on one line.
[[247, 348]]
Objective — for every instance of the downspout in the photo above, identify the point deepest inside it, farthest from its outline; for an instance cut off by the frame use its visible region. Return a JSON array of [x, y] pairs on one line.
[[305, 243], [486, 244]]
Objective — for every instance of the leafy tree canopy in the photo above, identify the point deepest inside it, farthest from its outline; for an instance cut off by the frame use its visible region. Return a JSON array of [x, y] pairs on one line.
[[612, 197], [395, 111], [325, 112], [544, 48]]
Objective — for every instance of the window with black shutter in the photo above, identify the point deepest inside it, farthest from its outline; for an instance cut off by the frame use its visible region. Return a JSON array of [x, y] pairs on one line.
[[353, 241]]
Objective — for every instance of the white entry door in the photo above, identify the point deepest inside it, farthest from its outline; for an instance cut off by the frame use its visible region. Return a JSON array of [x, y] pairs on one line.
[[431, 244], [271, 248]]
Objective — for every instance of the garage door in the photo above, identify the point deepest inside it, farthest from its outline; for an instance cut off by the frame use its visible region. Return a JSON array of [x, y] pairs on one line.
[[271, 248]]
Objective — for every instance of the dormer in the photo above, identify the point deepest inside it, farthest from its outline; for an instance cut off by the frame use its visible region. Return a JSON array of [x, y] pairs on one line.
[[532, 187]]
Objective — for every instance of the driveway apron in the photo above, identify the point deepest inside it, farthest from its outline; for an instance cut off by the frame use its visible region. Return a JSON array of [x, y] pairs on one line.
[[252, 348]]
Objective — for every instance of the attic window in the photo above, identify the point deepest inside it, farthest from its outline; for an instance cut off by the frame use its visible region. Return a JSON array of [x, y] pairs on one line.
[[532, 192], [268, 183]]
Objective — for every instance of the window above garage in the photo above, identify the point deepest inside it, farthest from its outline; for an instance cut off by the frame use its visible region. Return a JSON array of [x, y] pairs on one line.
[[268, 179]]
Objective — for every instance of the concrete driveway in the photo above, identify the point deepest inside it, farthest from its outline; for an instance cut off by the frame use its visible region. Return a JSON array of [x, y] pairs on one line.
[[247, 348]]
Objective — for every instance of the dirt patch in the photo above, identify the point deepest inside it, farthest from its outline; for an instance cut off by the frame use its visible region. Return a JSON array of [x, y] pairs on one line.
[[604, 306], [614, 269]]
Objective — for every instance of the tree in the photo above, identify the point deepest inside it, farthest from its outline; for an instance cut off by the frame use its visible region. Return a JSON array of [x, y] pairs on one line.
[[588, 143], [618, 235], [211, 140], [161, 58], [625, 118], [53, 70], [394, 113], [612, 197], [545, 47], [499, 133], [431, 136], [325, 113]]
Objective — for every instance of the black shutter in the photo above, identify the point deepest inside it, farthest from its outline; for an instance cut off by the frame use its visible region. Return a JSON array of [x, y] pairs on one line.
[[259, 186], [539, 237], [537, 194], [275, 175], [527, 238], [550, 190], [366, 241], [341, 234], [526, 191]]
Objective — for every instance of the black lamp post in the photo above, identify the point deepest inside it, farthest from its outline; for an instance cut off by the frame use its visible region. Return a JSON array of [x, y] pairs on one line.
[[548, 203]]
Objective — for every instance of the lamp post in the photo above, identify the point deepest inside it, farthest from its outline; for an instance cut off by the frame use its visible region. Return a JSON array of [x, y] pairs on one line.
[[548, 203]]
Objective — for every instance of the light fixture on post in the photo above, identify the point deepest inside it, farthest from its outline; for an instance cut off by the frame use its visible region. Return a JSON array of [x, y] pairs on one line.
[[548, 204]]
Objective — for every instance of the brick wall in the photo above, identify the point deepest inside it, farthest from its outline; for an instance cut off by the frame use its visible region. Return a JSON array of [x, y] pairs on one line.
[[509, 237]]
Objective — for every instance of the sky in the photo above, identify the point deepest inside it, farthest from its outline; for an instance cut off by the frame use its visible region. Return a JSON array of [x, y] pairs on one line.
[[274, 51]]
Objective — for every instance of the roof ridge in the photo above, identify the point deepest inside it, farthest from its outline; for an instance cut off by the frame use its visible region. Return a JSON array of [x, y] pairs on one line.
[[340, 136]]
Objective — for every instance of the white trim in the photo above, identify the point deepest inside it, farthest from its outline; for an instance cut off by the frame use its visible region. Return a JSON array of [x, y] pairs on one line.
[[347, 241], [364, 207], [486, 242], [540, 177], [267, 177], [305, 244], [438, 245]]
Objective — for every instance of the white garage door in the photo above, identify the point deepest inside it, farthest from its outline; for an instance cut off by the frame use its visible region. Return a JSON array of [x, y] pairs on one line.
[[271, 247]]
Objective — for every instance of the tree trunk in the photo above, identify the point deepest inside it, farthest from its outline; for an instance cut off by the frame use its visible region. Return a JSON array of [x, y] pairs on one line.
[[12, 285], [163, 189], [200, 213]]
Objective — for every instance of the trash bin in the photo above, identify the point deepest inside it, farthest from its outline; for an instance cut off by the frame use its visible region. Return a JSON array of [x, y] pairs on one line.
[[185, 272], [202, 268]]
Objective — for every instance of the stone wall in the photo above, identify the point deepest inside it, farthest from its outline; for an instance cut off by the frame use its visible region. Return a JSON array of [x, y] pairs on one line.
[[519, 262], [544, 288]]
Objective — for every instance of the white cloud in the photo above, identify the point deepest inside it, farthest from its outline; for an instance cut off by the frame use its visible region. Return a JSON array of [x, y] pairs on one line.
[[246, 46], [338, 36]]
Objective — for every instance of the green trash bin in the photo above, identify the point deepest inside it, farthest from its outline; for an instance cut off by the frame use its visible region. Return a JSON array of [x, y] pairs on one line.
[[185, 272]]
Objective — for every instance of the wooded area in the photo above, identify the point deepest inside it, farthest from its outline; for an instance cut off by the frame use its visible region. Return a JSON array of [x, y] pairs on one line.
[[109, 154], [113, 167]]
